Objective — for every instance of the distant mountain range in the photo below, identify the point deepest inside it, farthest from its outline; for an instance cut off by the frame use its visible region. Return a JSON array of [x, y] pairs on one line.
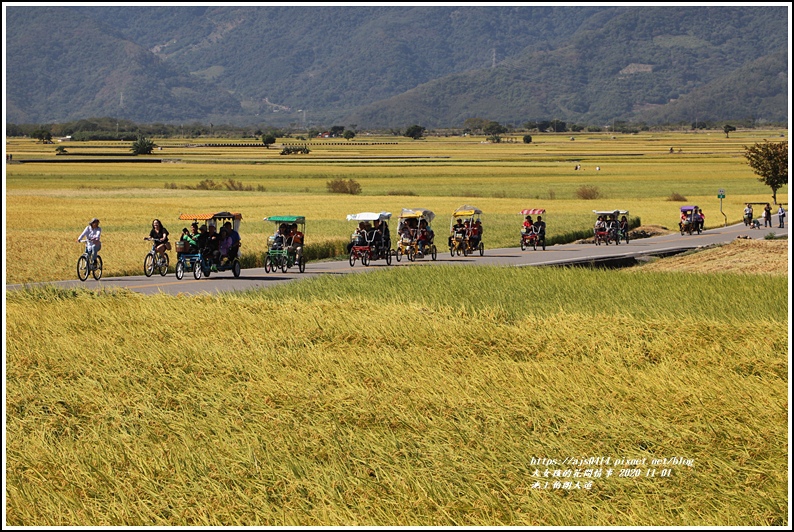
[[390, 67]]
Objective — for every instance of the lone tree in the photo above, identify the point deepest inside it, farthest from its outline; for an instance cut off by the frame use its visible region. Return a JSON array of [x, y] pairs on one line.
[[415, 132], [268, 139], [769, 160], [727, 128], [142, 146]]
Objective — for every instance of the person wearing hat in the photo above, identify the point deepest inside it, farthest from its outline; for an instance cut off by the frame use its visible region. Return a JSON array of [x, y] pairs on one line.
[[91, 234]]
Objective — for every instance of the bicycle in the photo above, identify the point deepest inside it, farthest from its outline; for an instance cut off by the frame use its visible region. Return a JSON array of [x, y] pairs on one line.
[[155, 261], [84, 266]]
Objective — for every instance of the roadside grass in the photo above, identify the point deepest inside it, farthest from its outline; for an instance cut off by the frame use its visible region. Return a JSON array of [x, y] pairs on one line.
[[413, 397], [749, 257]]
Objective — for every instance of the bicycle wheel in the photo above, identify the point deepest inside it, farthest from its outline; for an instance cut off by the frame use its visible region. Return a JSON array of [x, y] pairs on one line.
[[97, 271], [352, 258], [388, 257], [180, 270], [236, 268], [82, 268], [433, 252], [365, 259], [148, 264], [398, 254], [411, 255], [481, 247], [164, 265], [197, 270], [523, 245], [267, 262], [302, 264]]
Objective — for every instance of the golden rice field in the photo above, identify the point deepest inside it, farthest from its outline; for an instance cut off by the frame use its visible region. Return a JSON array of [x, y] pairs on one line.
[[445, 396], [422, 397], [49, 204]]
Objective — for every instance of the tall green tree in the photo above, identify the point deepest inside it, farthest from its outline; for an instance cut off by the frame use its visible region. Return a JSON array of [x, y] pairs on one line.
[[142, 146], [268, 139], [727, 128], [415, 132], [769, 160]]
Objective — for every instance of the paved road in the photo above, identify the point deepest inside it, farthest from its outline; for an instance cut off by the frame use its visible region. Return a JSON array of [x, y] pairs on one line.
[[553, 255]]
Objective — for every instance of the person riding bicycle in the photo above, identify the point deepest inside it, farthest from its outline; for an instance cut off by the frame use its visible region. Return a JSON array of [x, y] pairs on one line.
[[224, 246], [92, 233], [540, 229], [159, 236], [235, 236], [422, 236], [458, 231], [623, 227], [359, 236], [528, 226], [599, 226], [475, 234], [296, 241]]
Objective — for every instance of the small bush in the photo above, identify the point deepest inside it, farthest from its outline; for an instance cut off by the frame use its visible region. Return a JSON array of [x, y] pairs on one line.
[[770, 236], [588, 192], [171, 185], [401, 193], [527, 139], [341, 186], [231, 184], [208, 184], [675, 196]]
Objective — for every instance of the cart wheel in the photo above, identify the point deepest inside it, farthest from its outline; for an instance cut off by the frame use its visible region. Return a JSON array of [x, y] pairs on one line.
[[433, 252], [523, 245], [411, 254], [82, 268], [465, 251], [398, 254], [352, 258], [481, 247], [197, 270], [180, 270], [148, 264], [388, 257], [267, 263], [534, 245], [97, 271], [451, 251], [284, 265], [236, 268], [365, 259], [302, 264]]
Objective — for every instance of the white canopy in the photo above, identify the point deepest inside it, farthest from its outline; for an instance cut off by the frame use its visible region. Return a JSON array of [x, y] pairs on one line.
[[369, 216]]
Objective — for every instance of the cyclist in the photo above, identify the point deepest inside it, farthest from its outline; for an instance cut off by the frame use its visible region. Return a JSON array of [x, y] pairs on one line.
[[91, 234], [159, 235], [540, 228]]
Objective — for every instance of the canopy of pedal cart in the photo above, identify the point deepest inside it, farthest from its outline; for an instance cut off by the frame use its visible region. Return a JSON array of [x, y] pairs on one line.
[[369, 216], [527, 212], [215, 218], [286, 219], [466, 211], [616, 212], [426, 214]]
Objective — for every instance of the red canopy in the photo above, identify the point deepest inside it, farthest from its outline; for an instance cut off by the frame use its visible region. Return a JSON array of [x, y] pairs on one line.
[[532, 211]]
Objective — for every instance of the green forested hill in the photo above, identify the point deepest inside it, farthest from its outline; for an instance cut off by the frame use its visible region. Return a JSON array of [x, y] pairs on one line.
[[378, 66]]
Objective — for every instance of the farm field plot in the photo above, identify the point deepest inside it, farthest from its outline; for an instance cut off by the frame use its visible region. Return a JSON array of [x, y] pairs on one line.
[[444, 396], [48, 204], [421, 397]]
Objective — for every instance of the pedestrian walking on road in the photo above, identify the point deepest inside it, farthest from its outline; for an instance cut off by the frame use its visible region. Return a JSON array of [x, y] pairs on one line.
[[781, 213], [767, 215]]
